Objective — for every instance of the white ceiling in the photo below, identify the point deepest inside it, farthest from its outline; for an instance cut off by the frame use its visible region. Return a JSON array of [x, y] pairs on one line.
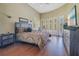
[[45, 7]]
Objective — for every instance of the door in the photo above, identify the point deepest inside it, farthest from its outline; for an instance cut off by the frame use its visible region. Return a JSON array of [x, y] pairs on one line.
[[54, 24]]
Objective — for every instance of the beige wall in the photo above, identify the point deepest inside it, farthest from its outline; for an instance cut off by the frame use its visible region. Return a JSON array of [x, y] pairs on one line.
[[58, 12], [16, 11], [23, 10], [62, 11]]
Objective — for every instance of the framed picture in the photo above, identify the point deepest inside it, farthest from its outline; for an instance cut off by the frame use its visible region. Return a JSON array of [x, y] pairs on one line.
[[23, 19]]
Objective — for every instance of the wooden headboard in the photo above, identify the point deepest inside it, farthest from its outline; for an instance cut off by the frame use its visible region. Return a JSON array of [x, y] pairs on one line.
[[22, 25]]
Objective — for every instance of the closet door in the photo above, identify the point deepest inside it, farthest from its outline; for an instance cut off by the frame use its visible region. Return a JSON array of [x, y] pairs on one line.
[[52, 24], [61, 22], [58, 25]]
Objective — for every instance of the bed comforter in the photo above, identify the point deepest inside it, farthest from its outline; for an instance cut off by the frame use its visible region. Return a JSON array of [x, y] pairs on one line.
[[38, 38]]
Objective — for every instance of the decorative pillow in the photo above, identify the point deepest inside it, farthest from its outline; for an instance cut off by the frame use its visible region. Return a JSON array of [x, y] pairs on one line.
[[29, 29]]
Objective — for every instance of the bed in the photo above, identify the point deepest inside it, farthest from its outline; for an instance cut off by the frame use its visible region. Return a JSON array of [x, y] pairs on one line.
[[24, 32], [38, 38]]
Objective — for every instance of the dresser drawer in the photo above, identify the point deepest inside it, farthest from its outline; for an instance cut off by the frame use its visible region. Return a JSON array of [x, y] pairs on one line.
[[11, 36], [5, 42], [4, 37]]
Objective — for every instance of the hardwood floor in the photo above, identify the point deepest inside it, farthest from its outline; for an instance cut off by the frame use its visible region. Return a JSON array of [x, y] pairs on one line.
[[54, 47]]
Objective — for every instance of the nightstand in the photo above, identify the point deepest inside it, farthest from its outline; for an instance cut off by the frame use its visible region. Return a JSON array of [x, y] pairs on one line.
[[7, 39]]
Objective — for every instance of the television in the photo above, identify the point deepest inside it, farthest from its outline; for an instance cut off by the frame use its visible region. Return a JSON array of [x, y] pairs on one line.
[[72, 17]]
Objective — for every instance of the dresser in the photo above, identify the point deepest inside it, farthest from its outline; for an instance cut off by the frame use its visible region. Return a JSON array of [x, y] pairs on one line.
[[74, 43], [6, 39], [71, 40]]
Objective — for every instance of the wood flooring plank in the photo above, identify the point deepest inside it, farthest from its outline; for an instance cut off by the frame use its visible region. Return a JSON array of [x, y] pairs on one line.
[[54, 47]]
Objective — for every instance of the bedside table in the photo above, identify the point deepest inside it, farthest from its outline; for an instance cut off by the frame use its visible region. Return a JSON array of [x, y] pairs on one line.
[[6, 39]]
